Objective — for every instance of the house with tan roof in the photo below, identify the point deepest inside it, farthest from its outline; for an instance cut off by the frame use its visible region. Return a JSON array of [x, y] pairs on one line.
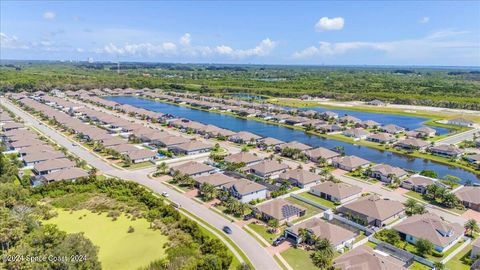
[[123, 148], [245, 190], [336, 192], [53, 165], [425, 132], [446, 150], [34, 149], [218, 180], [193, 169], [300, 177], [366, 258], [169, 140], [442, 234], [7, 126], [281, 210], [37, 157], [373, 210], [243, 157], [141, 155], [381, 138], [387, 173], [338, 236], [356, 133], [412, 144], [245, 137], [350, 163], [190, 148], [419, 183], [293, 145], [65, 174], [392, 129], [269, 142], [319, 153], [470, 197], [267, 169]]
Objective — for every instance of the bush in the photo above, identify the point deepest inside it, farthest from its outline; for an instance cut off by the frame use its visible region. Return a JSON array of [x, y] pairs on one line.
[[130, 229]]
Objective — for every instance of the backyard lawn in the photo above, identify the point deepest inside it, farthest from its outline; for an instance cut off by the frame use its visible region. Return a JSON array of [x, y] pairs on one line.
[[317, 199], [311, 210], [114, 242], [418, 266], [456, 261]]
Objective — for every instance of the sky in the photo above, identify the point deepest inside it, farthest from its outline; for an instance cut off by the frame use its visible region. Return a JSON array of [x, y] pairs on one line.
[[429, 33]]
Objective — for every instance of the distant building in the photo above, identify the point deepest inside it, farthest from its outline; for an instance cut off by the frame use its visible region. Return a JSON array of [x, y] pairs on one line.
[[460, 122]]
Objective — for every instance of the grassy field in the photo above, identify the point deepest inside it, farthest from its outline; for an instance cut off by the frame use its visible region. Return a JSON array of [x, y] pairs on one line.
[[117, 248], [317, 199], [263, 231], [420, 197], [419, 266], [299, 259]]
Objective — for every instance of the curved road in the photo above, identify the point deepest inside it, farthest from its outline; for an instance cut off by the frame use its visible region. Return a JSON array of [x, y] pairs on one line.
[[258, 256]]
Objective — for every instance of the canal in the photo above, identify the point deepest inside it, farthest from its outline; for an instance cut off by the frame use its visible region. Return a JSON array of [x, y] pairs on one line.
[[286, 134]]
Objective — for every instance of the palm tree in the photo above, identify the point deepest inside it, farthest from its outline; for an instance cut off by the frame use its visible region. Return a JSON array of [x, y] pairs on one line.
[[471, 227], [273, 224], [450, 200], [162, 168], [431, 191], [208, 191], [324, 254], [410, 205]]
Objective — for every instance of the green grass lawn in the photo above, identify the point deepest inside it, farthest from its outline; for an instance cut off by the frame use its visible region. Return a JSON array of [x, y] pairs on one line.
[[412, 249], [420, 197], [263, 231], [299, 259], [317, 199], [418, 266], [457, 263], [117, 248], [311, 210], [134, 166]]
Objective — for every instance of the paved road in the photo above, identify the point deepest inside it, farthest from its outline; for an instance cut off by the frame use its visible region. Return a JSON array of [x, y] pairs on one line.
[[259, 256], [454, 139], [396, 196]]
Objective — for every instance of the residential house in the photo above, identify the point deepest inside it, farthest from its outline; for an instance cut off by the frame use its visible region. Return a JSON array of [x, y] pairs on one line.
[[350, 163], [474, 159], [329, 115], [442, 234], [193, 169], [460, 122], [366, 258], [321, 153], [123, 148], [446, 150], [392, 129], [245, 190], [369, 124], [381, 138], [67, 174], [269, 142], [425, 132], [419, 183], [7, 126], [329, 128], [373, 210], [293, 145], [357, 133], [469, 196], [35, 149], [190, 148], [338, 236], [387, 173], [141, 155], [245, 137], [336, 192], [300, 178], [349, 119], [243, 158], [170, 140], [37, 157], [53, 165], [281, 210], [412, 144], [267, 169], [218, 180]]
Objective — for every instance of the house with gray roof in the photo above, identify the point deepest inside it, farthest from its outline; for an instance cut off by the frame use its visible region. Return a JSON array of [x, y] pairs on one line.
[[53, 165], [193, 169], [300, 177], [68, 174], [245, 190], [350, 163], [336, 192], [446, 150], [319, 153], [387, 173], [244, 158], [190, 148], [267, 169]]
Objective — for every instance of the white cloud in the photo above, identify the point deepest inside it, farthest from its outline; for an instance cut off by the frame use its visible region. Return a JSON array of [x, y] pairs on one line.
[[424, 20], [49, 15], [329, 24], [12, 42], [80, 50], [187, 49], [437, 43], [185, 39]]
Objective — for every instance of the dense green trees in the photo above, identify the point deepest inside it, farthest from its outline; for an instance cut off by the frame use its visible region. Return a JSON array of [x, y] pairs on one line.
[[423, 86]]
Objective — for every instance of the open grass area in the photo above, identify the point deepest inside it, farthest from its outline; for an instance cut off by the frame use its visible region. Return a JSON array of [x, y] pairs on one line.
[[311, 210], [263, 231], [418, 266], [299, 259], [140, 165], [118, 249], [412, 249], [317, 199], [457, 261]]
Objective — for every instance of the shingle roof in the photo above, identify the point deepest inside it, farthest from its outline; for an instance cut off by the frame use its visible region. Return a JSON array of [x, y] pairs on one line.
[[268, 166], [65, 174], [469, 194], [322, 229], [375, 207], [216, 179], [386, 170], [54, 164], [321, 152], [301, 176], [365, 258], [280, 209], [193, 167], [338, 190], [244, 157], [244, 186]]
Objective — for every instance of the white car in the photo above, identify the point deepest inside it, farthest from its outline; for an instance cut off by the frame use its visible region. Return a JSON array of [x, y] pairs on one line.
[[165, 194]]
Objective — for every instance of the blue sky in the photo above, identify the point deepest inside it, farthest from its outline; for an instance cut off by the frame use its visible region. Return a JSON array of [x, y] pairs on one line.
[[330, 33]]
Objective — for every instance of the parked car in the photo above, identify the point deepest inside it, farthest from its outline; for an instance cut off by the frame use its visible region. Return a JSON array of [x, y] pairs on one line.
[[227, 230], [248, 217], [165, 194], [278, 241]]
